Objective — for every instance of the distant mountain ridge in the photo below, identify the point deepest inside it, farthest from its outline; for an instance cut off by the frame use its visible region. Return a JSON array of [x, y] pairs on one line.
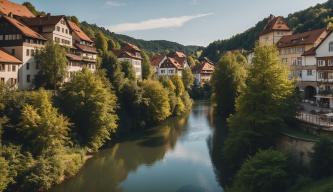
[[315, 17]]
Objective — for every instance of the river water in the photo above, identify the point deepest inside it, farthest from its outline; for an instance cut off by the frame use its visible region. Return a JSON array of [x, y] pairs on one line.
[[181, 155]]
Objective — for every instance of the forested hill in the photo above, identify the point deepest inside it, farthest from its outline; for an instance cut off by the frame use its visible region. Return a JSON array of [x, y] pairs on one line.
[[151, 46], [315, 17]]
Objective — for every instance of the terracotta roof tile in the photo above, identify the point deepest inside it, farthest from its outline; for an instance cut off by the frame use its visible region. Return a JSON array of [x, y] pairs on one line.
[[310, 52], [7, 7], [86, 48], [204, 67], [23, 28], [173, 62], [7, 58], [133, 47], [77, 30], [306, 38], [73, 57], [275, 24], [46, 20], [157, 59], [126, 54]]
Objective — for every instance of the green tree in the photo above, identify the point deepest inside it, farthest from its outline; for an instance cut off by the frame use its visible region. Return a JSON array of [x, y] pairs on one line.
[[128, 70], [147, 69], [188, 78], [260, 114], [101, 42], [42, 126], [33, 9], [227, 82], [322, 159], [113, 69], [191, 61], [178, 83], [4, 176], [53, 66], [156, 103], [265, 171], [90, 103]]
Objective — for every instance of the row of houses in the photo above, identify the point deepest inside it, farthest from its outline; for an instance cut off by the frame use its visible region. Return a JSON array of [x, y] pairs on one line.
[[309, 55], [174, 63], [22, 34]]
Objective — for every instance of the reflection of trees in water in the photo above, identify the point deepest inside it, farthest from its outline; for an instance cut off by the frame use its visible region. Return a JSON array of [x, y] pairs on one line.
[[109, 168], [215, 144]]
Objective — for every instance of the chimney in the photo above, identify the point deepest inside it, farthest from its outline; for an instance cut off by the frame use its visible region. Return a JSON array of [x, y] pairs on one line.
[[10, 14]]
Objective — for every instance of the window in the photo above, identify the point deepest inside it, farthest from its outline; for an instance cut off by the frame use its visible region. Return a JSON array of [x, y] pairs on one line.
[[299, 60], [28, 66], [321, 75], [330, 62], [321, 63], [285, 60], [28, 52], [330, 46], [28, 78], [58, 28], [14, 68], [1, 37], [162, 71], [9, 68], [309, 72], [32, 52], [13, 52], [2, 67], [294, 61], [2, 80]]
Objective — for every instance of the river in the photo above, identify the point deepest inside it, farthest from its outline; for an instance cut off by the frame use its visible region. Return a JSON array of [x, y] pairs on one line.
[[181, 155]]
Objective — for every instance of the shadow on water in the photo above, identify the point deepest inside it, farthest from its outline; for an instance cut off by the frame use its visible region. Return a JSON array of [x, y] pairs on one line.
[[184, 147]]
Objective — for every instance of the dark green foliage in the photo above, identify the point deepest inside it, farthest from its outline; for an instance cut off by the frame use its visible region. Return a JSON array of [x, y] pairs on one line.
[[188, 78], [4, 176], [265, 171], [53, 66], [128, 70], [228, 81], [322, 159], [101, 42], [33, 9], [147, 69], [90, 103], [201, 92], [315, 17]]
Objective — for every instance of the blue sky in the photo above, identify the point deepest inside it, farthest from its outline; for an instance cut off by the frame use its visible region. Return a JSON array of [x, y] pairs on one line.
[[190, 22]]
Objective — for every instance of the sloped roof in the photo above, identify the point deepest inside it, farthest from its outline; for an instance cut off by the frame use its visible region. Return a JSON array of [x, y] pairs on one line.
[[7, 7], [73, 57], [157, 59], [275, 24], [306, 38], [204, 67], [86, 48], [46, 20], [23, 28], [77, 30], [126, 54], [310, 52], [133, 47], [173, 62], [7, 58]]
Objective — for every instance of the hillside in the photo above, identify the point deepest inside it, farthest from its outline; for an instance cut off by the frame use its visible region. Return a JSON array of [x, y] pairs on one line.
[[315, 17]]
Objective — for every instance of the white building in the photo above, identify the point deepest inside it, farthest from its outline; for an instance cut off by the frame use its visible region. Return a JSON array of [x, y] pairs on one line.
[[169, 67], [132, 54], [9, 66]]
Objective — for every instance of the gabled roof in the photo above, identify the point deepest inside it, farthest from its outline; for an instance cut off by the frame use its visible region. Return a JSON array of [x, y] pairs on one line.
[[157, 59], [306, 38], [7, 58], [77, 30], [73, 57], [126, 54], [310, 52], [172, 62], [179, 56], [86, 48], [275, 24], [204, 67], [7, 7], [133, 47], [46, 20], [23, 28]]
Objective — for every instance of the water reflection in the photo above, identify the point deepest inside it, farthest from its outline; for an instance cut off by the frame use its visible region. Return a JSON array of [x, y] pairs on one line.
[[171, 157]]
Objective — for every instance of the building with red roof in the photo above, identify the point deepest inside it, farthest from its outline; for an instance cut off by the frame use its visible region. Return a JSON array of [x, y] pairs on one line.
[[132, 54]]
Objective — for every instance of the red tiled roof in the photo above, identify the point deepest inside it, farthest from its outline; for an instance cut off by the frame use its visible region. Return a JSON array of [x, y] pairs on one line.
[[171, 61], [73, 57], [157, 59], [306, 38], [7, 7], [275, 24], [204, 67], [310, 52], [46, 20], [126, 54], [77, 30], [23, 28], [133, 47], [7, 58], [86, 48]]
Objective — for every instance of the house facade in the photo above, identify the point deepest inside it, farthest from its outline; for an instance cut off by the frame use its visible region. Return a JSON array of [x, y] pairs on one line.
[[132, 54], [203, 72], [9, 66], [169, 67]]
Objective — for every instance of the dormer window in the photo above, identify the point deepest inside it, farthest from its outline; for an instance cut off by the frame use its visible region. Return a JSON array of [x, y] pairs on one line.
[[330, 46]]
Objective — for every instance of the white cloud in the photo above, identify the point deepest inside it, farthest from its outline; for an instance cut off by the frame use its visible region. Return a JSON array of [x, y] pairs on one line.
[[171, 22], [194, 2], [114, 3]]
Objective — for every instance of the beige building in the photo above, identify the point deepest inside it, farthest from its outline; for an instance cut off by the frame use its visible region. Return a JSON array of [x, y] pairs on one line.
[[9, 66], [132, 54], [203, 72], [275, 29]]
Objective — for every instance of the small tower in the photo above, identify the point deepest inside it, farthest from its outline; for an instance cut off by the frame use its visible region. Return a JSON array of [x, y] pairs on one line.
[[275, 29]]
